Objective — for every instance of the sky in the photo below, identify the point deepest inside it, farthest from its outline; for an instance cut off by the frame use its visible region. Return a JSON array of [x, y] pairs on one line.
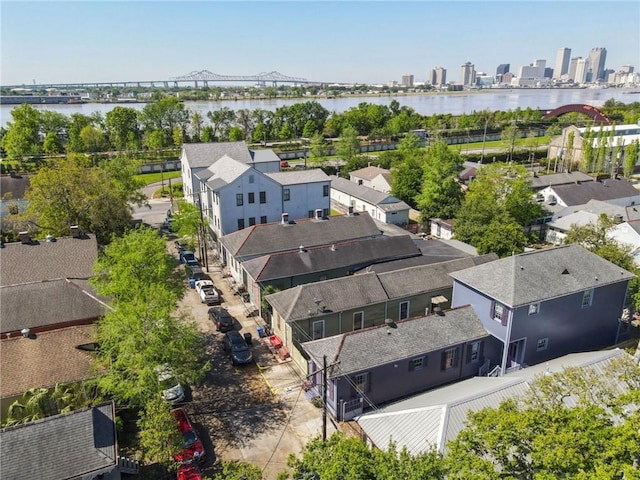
[[344, 42]]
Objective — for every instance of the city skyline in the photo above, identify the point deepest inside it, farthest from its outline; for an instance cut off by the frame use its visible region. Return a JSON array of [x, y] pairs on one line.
[[345, 42]]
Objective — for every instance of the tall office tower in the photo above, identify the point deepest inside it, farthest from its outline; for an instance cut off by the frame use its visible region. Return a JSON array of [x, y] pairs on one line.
[[548, 72], [582, 68], [438, 76], [407, 80], [467, 74], [626, 69], [541, 64], [562, 62], [500, 71], [572, 68], [597, 57]]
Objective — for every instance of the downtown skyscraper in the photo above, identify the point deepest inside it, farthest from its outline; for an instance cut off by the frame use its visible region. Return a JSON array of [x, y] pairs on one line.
[[562, 62], [596, 61]]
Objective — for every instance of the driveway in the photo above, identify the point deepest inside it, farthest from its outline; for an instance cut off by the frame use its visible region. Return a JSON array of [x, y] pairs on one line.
[[255, 413]]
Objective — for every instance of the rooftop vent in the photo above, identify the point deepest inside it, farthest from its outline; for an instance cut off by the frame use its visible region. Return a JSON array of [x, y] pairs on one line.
[[389, 323], [285, 218], [302, 249], [333, 247], [565, 272], [318, 213], [25, 238], [25, 332], [618, 218], [75, 231]]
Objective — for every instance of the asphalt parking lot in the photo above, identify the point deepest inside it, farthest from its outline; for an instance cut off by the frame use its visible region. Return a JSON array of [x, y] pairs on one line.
[[255, 413]]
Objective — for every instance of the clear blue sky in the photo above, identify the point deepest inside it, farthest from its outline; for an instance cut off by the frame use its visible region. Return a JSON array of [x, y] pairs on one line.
[[364, 41]]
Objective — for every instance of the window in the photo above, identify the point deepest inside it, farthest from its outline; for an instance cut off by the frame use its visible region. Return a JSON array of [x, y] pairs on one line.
[[587, 298], [263, 219], [239, 201], [311, 213], [325, 213], [416, 364], [251, 197], [286, 195], [318, 329], [449, 359], [498, 311], [361, 382], [473, 352], [325, 190], [252, 178], [534, 308], [263, 197], [240, 223], [543, 343], [358, 321], [404, 310], [252, 221]]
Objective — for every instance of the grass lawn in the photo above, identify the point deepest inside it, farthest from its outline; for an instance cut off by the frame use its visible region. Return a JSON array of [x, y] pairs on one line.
[[148, 178]]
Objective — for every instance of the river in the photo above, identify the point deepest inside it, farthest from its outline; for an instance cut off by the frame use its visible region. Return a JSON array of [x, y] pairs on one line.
[[424, 104]]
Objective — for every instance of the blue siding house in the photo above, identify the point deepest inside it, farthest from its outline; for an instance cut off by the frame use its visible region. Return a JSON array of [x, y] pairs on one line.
[[546, 303]]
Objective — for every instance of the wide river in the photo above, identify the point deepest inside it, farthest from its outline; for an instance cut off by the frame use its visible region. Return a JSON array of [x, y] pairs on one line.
[[425, 104]]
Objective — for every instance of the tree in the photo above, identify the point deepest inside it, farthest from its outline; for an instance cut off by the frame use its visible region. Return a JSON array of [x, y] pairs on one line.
[[319, 149], [51, 144], [77, 123], [351, 459], [546, 437], [221, 122], [187, 222], [160, 438], [21, 138], [234, 470], [122, 128], [166, 114], [631, 158], [90, 139], [197, 123], [406, 179], [509, 135], [440, 195], [348, 145], [71, 192], [236, 134]]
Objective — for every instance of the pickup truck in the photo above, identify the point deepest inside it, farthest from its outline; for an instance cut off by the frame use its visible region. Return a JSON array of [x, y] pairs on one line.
[[188, 257], [208, 292]]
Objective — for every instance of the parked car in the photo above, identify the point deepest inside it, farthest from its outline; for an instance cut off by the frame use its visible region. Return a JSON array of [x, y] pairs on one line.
[[188, 257], [208, 292], [284, 164], [192, 448], [236, 346], [172, 391], [189, 472], [180, 246], [221, 319], [195, 272]]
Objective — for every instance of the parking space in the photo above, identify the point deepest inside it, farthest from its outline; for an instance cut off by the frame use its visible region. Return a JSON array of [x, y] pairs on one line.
[[256, 413]]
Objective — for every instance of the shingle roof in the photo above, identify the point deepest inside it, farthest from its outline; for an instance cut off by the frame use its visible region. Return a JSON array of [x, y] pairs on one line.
[[65, 258], [609, 189], [433, 418], [543, 181], [269, 238], [382, 200], [366, 349], [264, 155], [323, 258], [597, 207], [49, 358], [69, 445], [336, 295], [41, 304], [579, 218], [205, 154], [425, 278], [368, 173], [539, 275], [227, 169], [299, 177]]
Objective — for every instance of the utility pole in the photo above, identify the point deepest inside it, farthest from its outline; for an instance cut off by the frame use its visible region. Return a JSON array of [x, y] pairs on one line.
[[324, 398]]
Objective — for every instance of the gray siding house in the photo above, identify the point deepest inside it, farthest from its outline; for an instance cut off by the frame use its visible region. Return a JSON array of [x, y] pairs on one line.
[[376, 365], [546, 303]]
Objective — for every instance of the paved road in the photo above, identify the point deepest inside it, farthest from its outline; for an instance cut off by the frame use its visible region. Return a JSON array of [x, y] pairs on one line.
[[155, 213]]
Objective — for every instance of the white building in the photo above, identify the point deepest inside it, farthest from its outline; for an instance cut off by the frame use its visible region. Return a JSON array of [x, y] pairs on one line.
[[562, 62]]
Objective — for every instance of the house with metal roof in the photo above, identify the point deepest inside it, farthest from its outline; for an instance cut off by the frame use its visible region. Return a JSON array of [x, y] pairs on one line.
[[76, 445], [546, 303], [432, 419], [372, 366], [380, 205], [332, 307], [236, 187], [373, 177]]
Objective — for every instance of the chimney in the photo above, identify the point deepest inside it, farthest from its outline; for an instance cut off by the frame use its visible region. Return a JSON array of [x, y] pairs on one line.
[[285, 218], [25, 238], [75, 231], [318, 214]]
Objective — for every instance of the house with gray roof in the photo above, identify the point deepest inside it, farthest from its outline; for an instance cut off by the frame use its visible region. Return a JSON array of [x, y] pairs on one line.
[[540, 182], [311, 264], [617, 191], [333, 307], [373, 177], [373, 366], [430, 420], [76, 445], [380, 205], [546, 303], [236, 187]]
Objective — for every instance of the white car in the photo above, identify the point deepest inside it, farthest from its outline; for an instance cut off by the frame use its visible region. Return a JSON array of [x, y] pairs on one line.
[[172, 391], [208, 292]]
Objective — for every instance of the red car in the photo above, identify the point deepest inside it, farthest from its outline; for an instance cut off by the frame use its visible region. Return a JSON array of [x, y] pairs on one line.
[[189, 472], [192, 448]]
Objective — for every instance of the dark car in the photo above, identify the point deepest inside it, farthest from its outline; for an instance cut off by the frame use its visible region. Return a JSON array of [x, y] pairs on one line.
[[195, 272], [221, 319], [236, 346], [188, 257], [180, 246]]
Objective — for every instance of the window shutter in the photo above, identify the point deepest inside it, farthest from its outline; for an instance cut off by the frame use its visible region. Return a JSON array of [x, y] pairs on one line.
[[411, 365], [368, 385], [481, 351], [443, 361], [505, 316], [469, 351], [493, 310], [456, 358]]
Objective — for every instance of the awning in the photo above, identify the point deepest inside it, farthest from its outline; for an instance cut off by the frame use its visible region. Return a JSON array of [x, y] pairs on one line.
[[439, 299]]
